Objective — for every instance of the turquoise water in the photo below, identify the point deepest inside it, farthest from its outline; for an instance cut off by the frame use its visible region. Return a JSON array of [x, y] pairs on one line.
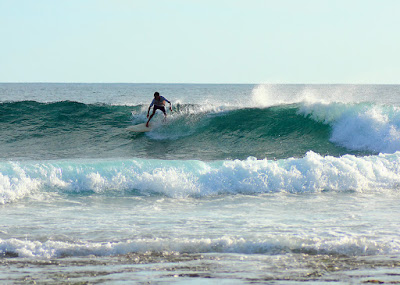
[[241, 184], [67, 129]]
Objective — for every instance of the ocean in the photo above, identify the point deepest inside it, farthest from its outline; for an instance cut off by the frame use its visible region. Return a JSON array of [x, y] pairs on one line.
[[242, 184]]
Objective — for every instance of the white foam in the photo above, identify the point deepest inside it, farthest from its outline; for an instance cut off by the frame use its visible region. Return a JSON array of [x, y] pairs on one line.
[[268, 245], [360, 120], [368, 127], [16, 186], [180, 179]]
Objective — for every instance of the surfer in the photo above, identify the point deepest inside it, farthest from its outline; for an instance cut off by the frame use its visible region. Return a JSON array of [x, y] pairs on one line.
[[159, 104]]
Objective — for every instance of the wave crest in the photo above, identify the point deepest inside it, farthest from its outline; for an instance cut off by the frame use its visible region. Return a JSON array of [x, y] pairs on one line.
[[181, 179]]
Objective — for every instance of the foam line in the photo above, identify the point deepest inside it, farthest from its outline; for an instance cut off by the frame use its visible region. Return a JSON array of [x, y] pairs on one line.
[[180, 179], [350, 246]]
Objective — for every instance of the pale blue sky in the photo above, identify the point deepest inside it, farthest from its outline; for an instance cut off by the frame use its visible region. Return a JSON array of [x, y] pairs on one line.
[[200, 41]]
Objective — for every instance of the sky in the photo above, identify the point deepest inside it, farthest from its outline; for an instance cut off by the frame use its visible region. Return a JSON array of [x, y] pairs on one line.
[[200, 41]]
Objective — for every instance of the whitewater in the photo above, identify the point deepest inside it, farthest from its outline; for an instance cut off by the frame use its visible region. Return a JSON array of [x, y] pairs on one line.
[[241, 184]]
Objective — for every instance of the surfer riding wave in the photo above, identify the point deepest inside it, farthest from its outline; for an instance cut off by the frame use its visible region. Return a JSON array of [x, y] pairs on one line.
[[159, 104]]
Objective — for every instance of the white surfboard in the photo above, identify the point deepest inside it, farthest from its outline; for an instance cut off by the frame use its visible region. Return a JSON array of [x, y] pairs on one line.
[[141, 128]]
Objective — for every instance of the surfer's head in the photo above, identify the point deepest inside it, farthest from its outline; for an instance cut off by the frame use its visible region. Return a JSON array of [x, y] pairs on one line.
[[156, 95]]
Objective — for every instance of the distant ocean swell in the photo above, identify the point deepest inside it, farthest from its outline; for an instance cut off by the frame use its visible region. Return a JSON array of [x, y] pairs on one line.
[[182, 178]]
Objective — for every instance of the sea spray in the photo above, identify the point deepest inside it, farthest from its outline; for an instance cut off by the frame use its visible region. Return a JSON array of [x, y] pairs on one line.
[[364, 126]]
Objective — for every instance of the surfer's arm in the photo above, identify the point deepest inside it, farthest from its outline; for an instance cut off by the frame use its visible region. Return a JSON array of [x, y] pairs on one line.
[[170, 104], [165, 99]]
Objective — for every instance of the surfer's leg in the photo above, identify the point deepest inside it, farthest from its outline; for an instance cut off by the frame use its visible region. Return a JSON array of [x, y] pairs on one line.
[[165, 113], [151, 116]]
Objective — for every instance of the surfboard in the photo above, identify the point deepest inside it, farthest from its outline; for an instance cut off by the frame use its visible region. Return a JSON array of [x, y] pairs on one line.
[[140, 128]]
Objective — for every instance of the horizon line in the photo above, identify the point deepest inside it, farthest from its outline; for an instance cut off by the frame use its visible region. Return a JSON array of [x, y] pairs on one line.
[[189, 83]]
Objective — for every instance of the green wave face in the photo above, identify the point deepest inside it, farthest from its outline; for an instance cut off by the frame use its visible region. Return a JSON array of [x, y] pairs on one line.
[[75, 130]]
